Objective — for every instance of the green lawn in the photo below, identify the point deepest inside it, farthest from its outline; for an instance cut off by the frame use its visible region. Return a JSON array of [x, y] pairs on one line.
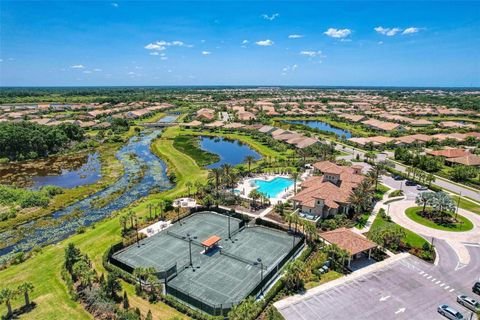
[[411, 238], [466, 204], [327, 277], [190, 145], [463, 225]]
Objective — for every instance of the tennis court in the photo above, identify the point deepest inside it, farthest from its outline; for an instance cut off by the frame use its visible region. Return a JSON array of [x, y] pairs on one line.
[[223, 276]]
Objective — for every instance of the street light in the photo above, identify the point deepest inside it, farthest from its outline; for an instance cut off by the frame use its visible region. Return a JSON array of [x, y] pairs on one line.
[[190, 239], [458, 205]]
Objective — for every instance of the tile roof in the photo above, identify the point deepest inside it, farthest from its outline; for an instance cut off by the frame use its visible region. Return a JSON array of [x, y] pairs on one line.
[[348, 240]]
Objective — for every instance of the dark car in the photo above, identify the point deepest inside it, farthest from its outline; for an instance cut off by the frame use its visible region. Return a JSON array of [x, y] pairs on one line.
[[410, 183], [398, 178], [476, 287]]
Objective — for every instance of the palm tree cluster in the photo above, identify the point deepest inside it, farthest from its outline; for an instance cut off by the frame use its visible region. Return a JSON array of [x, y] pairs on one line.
[[440, 202], [361, 198], [7, 295], [420, 176]]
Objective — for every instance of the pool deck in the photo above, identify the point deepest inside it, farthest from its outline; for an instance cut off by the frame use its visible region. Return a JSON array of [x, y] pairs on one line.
[[245, 187]]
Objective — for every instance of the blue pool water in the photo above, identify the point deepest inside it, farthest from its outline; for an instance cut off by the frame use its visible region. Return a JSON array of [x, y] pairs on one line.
[[273, 187], [323, 126]]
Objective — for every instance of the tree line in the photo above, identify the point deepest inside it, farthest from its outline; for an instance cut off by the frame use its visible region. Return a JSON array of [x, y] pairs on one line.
[[27, 140]]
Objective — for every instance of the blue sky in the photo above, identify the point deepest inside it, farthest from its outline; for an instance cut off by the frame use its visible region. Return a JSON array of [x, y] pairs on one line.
[[234, 43]]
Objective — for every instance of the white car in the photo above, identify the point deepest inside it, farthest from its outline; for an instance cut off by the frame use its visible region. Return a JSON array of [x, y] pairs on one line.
[[469, 303], [449, 312]]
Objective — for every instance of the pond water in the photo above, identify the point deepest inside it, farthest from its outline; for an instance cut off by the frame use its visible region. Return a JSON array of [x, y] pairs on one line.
[[67, 171], [144, 173], [323, 126], [230, 151]]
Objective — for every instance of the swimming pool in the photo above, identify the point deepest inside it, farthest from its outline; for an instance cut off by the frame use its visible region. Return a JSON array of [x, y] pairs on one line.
[[273, 187]]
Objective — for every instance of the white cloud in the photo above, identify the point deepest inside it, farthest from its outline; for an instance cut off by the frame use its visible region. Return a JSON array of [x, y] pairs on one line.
[[338, 33], [270, 18], [289, 68], [163, 58], [162, 45], [264, 43], [411, 30], [77, 66], [311, 54], [244, 41], [295, 36], [114, 4], [206, 53], [154, 53], [1, 60], [387, 31], [87, 71], [97, 70]]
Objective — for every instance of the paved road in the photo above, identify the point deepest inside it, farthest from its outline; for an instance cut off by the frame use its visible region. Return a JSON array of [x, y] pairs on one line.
[[408, 288], [439, 182]]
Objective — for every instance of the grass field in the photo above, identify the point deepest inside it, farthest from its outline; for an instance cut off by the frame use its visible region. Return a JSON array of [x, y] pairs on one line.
[[466, 204], [189, 145], [463, 225]]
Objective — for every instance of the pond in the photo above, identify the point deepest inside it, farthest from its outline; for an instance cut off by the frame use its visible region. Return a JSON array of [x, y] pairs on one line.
[[67, 171], [232, 152], [323, 126], [144, 173]]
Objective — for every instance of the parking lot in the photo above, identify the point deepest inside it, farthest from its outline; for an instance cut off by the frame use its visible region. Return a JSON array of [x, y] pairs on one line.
[[405, 289]]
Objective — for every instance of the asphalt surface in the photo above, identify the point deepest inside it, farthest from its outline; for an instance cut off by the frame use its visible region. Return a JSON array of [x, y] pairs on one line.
[[405, 289]]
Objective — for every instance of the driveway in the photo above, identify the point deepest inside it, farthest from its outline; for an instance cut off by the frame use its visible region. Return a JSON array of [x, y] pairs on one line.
[[402, 287]]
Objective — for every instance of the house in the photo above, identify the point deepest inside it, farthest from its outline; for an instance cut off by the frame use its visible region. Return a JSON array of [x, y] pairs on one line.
[[206, 114], [382, 125], [327, 194], [449, 153], [468, 160], [246, 116]]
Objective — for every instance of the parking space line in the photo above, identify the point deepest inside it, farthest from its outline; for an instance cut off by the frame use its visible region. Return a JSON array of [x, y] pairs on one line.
[[451, 290], [446, 287], [433, 279], [421, 272], [442, 285], [438, 282], [429, 277]]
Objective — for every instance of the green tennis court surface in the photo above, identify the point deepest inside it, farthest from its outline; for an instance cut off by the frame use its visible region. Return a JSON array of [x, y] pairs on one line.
[[224, 275]]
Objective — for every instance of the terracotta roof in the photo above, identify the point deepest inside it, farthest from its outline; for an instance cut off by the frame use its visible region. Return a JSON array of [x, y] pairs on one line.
[[381, 125], [449, 153], [470, 160], [211, 241], [348, 240]]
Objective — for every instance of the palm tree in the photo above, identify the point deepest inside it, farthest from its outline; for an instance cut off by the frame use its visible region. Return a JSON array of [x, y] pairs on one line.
[[254, 195], [123, 223], [310, 230], [131, 216], [295, 177], [441, 202], [249, 160], [139, 274], [26, 288], [409, 170], [429, 179], [375, 173], [423, 199], [7, 295], [226, 168], [215, 175]]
